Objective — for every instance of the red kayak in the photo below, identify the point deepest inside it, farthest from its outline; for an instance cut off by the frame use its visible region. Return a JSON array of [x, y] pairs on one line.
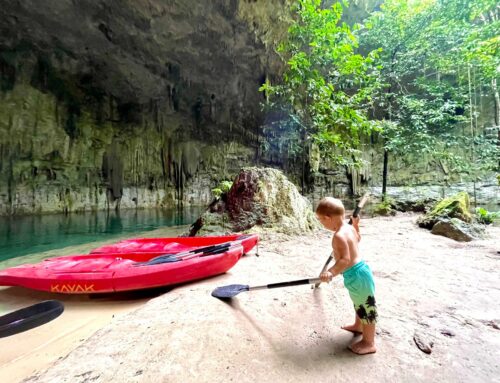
[[111, 272], [176, 244]]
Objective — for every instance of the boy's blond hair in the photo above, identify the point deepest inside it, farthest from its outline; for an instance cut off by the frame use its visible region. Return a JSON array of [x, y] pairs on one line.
[[330, 207]]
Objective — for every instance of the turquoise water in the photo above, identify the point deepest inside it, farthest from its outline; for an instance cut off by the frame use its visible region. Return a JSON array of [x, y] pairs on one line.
[[33, 234]]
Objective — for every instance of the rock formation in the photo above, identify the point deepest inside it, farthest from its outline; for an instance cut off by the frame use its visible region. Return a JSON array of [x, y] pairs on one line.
[[451, 218], [456, 206], [259, 197]]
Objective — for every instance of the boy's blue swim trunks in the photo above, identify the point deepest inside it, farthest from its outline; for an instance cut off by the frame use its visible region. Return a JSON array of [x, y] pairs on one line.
[[358, 280]]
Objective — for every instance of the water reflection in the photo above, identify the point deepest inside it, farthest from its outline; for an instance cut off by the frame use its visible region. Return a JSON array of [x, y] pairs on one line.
[[32, 234]]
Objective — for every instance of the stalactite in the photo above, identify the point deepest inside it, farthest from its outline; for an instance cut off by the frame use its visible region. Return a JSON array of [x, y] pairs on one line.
[[163, 167], [7, 76], [113, 172], [179, 182], [10, 185]]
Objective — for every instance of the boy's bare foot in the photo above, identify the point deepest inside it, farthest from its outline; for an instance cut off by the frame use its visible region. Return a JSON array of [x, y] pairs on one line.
[[362, 348], [356, 330]]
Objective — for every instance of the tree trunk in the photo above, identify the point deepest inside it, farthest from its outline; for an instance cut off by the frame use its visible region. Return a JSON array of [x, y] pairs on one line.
[[496, 97], [472, 108], [384, 175]]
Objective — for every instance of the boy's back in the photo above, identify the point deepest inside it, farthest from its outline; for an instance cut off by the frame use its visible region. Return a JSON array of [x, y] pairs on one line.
[[345, 244]]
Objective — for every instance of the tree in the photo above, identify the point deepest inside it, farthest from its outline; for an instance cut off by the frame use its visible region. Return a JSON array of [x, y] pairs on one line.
[[426, 48], [324, 94], [477, 59]]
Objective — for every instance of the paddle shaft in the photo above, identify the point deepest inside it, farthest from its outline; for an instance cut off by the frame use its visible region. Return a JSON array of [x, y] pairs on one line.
[[354, 214], [204, 254], [207, 250], [307, 281], [330, 257]]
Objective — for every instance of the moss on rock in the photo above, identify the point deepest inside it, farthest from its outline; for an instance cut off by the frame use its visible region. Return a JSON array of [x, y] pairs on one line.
[[456, 206]]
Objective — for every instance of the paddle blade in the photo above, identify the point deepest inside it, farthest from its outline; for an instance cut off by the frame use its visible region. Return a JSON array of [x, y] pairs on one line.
[[229, 291], [29, 317]]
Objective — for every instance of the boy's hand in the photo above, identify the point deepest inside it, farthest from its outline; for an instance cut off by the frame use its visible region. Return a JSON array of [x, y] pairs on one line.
[[326, 276]]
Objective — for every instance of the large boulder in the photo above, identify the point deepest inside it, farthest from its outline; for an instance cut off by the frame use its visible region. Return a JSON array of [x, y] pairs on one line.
[[456, 206], [451, 218], [458, 230], [259, 197]]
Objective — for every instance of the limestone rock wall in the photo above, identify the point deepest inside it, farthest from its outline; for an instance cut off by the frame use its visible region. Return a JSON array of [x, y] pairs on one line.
[[129, 104]]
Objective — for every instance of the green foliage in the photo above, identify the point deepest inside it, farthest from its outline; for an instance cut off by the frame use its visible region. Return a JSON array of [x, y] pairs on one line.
[[424, 65], [222, 188], [476, 25], [486, 217], [385, 207], [455, 151], [435, 56], [325, 90], [226, 186], [217, 192]]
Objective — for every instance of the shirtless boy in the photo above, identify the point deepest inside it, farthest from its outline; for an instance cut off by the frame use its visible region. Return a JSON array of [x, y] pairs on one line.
[[358, 277]]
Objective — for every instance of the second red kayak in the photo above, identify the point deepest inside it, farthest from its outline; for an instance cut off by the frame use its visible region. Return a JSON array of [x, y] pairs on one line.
[[176, 244]]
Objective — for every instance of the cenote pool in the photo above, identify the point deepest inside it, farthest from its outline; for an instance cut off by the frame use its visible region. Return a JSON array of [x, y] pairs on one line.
[[25, 235]]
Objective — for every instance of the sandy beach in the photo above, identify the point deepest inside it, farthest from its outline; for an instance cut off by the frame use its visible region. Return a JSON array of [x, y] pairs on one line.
[[429, 288]]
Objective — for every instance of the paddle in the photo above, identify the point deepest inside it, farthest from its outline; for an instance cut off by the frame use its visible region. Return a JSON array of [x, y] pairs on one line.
[[229, 291], [29, 317], [167, 258], [354, 214]]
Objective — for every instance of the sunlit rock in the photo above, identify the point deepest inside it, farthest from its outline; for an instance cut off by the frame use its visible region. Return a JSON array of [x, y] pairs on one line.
[[259, 198]]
